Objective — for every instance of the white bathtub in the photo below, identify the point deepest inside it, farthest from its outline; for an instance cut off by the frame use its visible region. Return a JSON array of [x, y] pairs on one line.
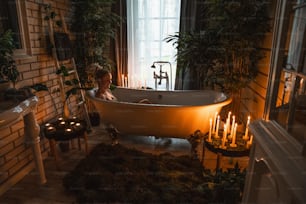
[[175, 114]]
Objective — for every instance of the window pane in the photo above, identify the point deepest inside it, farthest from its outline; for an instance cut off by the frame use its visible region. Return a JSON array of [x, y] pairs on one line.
[[9, 20]]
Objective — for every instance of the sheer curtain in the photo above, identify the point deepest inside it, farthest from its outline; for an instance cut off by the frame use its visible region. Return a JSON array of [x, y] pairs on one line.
[[149, 22]]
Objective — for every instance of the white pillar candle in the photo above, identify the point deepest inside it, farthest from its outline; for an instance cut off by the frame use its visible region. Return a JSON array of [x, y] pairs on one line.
[[246, 136], [217, 127], [233, 144], [210, 129], [214, 123]]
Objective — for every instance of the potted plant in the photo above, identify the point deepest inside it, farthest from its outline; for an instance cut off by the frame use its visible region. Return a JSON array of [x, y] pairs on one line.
[[8, 69]]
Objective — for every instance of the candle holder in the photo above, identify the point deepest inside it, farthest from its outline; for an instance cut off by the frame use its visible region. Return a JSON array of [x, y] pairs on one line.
[[226, 148]]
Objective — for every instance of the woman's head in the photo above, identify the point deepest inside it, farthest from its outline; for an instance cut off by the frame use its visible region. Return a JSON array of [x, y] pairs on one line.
[[103, 78]]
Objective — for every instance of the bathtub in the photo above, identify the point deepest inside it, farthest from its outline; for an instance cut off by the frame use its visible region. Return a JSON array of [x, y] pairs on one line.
[[176, 114]]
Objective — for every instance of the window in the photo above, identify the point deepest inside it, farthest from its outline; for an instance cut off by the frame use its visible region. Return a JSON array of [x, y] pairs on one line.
[[149, 22], [289, 93], [13, 16]]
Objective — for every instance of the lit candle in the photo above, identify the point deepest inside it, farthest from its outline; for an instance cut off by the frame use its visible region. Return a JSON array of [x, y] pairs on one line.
[[122, 80], [47, 124], [68, 130], [78, 125], [233, 144], [232, 128], [249, 143], [125, 82], [225, 132], [214, 124], [246, 136], [62, 123], [51, 129], [229, 115], [228, 125], [210, 127], [217, 127], [60, 118], [72, 123], [223, 138]]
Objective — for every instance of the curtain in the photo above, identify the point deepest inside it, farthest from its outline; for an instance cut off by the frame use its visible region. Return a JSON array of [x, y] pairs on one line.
[[188, 17], [149, 22], [119, 44]]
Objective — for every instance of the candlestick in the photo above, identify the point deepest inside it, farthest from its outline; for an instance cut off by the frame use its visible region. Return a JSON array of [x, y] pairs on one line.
[[246, 136], [214, 125], [233, 144], [217, 127], [210, 127]]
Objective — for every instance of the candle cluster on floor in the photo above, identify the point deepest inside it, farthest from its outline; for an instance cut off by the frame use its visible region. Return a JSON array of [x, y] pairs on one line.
[[229, 136], [64, 129]]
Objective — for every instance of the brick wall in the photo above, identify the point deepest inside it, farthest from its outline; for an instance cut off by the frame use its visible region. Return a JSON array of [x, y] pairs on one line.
[[15, 153]]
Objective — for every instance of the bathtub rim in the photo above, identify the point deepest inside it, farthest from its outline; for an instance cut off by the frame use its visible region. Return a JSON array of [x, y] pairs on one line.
[[90, 95]]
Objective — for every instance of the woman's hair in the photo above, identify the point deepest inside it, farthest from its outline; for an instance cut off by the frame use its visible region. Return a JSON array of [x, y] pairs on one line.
[[101, 73]]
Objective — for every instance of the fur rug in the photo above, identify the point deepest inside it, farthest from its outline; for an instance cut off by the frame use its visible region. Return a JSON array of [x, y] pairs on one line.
[[118, 174]]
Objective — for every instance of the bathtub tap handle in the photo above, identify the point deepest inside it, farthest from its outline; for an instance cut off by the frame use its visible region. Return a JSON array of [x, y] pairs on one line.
[[162, 74]]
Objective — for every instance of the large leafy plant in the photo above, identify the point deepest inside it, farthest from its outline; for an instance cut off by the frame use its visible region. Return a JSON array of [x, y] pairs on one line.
[[8, 69], [94, 24], [224, 53]]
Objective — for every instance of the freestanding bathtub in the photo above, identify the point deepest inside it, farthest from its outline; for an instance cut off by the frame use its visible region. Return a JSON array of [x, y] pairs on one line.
[[176, 114]]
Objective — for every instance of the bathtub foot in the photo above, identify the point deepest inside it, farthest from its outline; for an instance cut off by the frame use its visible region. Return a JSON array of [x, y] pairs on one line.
[[113, 134]]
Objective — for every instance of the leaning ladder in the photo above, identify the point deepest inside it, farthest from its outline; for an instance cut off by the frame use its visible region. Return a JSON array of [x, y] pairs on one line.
[[72, 72]]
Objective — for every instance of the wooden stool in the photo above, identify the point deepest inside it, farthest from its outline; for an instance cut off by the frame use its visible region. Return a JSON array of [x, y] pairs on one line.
[[65, 131]]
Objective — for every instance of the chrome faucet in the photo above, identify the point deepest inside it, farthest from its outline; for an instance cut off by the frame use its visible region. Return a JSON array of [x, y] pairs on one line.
[[162, 74]]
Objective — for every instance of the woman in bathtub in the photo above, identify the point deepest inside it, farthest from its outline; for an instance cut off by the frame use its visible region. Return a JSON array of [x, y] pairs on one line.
[[104, 80]]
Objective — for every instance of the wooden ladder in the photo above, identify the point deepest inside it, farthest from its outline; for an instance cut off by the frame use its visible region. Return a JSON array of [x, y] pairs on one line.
[[71, 72]]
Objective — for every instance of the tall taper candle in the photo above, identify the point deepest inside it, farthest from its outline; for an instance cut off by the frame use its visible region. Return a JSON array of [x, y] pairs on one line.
[[210, 129], [217, 127], [233, 144], [246, 136], [214, 124]]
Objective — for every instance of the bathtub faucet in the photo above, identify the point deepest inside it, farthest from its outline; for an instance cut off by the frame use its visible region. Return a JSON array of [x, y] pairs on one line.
[[162, 74]]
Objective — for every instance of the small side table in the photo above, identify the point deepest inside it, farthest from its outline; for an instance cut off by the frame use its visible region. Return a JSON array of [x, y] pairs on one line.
[[65, 130], [240, 151]]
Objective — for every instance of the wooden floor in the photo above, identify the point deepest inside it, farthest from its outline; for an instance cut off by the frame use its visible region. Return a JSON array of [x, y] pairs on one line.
[[28, 190]]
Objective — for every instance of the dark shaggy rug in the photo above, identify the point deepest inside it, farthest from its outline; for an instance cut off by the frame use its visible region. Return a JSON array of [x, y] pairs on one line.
[[118, 174]]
